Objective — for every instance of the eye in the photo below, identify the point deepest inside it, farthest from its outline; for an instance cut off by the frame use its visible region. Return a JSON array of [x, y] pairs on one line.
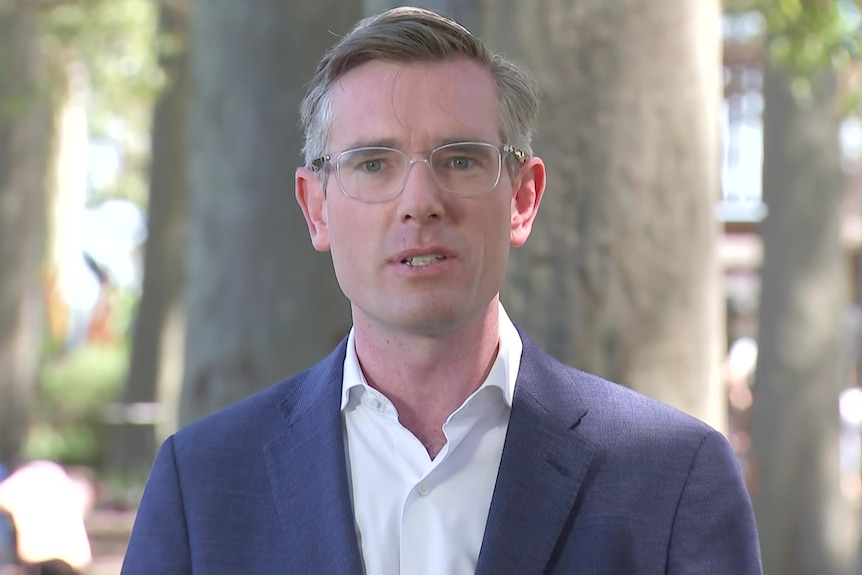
[[460, 162], [369, 161], [464, 157], [372, 166]]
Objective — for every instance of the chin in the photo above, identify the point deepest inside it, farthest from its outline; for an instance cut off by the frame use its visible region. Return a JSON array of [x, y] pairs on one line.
[[431, 317]]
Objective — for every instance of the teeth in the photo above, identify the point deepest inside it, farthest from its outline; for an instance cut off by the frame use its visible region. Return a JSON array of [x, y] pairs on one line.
[[423, 260]]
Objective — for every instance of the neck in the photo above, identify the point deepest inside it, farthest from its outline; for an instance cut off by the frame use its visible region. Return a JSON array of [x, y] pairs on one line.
[[427, 377]]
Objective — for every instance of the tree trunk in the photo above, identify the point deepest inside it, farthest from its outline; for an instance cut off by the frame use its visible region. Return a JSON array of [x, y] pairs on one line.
[[68, 307], [25, 129], [155, 371], [620, 277], [803, 522], [261, 304], [465, 12]]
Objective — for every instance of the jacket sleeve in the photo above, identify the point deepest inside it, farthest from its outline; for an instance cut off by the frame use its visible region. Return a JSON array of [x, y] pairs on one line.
[[159, 542], [714, 531]]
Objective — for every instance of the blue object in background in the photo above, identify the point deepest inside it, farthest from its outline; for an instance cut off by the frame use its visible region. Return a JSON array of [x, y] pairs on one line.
[[8, 547], [8, 550]]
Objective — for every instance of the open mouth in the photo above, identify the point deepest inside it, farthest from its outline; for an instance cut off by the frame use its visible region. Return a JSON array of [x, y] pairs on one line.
[[419, 261]]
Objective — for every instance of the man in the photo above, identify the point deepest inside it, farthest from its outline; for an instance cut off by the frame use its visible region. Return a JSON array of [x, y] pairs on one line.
[[436, 438]]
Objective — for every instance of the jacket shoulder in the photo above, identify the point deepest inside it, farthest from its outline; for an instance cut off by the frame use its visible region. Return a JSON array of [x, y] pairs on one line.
[[261, 416], [613, 416]]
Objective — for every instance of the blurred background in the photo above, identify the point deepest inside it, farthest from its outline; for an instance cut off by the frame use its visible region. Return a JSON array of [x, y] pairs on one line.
[[700, 239]]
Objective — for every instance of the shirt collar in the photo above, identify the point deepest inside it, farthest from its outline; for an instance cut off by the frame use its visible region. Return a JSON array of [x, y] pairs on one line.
[[503, 374]]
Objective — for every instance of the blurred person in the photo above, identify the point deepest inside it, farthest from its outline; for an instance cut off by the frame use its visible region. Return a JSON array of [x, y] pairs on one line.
[[80, 292], [52, 567], [850, 442], [48, 508], [437, 437], [739, 369], [99, 327]]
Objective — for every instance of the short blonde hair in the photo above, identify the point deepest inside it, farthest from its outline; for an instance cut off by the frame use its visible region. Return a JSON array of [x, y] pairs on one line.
[[407, 35]]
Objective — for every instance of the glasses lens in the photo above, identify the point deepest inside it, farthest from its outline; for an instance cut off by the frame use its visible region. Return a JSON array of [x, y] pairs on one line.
[[371, 174], [467, 168]]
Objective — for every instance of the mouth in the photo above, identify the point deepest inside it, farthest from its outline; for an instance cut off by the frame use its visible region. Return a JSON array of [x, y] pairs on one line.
[[423, 260]]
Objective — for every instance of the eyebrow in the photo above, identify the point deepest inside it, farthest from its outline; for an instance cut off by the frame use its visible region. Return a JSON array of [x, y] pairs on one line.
[[375, 143], [394, 143]]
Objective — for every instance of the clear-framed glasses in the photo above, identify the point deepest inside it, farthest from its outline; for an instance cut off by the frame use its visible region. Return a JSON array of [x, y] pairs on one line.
[[378, 174]]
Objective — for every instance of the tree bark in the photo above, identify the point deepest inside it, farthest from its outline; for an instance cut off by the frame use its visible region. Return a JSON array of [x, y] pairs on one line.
[[620, 277], [155, 370], [25, 128], [465, 12], [261, 304], [69, 312], [804, 524]]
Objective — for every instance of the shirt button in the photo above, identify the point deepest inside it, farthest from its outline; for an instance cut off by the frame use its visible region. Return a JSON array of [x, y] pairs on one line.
[[423, 489], [374, 403]]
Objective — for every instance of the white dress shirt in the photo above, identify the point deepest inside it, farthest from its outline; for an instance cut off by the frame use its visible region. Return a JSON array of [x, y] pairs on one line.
[[415, 515]]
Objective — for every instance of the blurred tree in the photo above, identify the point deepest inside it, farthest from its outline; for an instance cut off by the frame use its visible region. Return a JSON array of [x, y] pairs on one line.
[[155, 370], [70, 90], [25, 121], [805, 523], [111, 41], [260, 303], [620, 276], [466, 12], [100, 82]]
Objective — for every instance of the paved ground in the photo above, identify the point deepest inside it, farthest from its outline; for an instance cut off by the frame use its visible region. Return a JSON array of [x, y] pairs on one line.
[[109, 533]]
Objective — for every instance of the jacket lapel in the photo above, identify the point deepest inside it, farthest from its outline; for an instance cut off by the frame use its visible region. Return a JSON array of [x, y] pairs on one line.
[[543, 465], [308, 474]]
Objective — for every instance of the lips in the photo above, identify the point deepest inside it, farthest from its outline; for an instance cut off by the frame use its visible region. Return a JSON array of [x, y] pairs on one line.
[[423, 257]]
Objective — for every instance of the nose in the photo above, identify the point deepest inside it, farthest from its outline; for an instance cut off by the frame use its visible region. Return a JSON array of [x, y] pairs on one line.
[[421, 200]]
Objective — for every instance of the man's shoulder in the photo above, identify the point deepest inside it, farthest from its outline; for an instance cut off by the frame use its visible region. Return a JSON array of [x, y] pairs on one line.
[[242, 421], [628, 408], [615, 415], [262, 415], [630, 430], [643, 422]]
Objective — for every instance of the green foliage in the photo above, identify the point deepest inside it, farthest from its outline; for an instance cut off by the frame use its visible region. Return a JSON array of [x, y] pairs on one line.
[[77, 386], [809, 36], [110, 46], [76, 391], [115, 40]]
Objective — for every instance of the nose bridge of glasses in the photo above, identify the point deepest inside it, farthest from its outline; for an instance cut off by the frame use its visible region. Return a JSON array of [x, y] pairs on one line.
[[418, 159]]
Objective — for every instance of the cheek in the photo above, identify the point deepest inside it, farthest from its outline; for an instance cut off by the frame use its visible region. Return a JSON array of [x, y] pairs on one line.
[[350, 244], [342, 245], [493, 225], [499, 227], [345, 263]]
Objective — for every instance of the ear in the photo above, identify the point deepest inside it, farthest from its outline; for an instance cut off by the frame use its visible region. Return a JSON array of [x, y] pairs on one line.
[[311, 198], [529, 187]]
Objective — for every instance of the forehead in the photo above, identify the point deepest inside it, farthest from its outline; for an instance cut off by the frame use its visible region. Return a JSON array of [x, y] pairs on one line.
[[415, 106]]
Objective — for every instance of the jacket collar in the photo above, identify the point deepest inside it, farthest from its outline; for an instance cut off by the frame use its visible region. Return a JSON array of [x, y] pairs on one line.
[[543, 464], [308, 473]]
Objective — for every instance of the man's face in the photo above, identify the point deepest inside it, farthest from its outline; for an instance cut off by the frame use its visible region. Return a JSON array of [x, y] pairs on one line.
[[377, 249]]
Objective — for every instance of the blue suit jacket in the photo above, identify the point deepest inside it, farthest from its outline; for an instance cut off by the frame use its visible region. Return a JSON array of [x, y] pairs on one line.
[[594, 479]]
